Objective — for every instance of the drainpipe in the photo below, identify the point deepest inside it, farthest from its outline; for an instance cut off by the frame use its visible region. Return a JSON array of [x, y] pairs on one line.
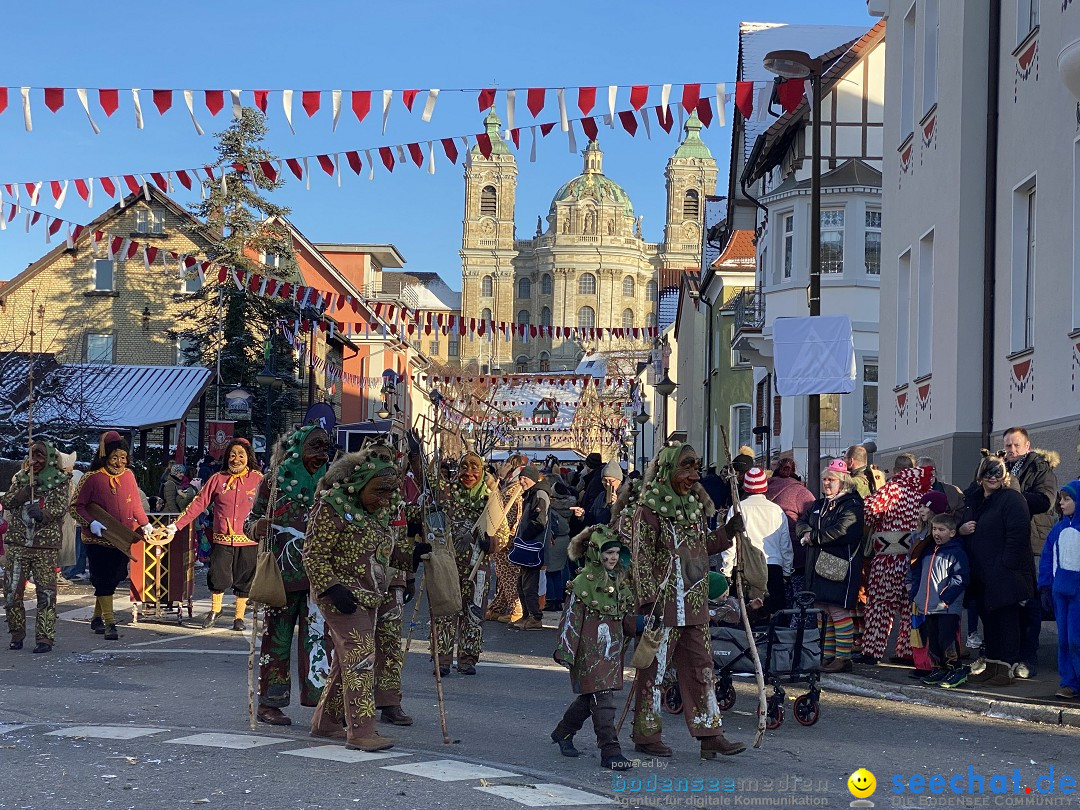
[[993, 73], [708, 380]]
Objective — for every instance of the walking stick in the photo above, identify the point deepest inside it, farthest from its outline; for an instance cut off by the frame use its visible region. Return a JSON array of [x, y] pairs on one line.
[[740, 590], [416, 610], [267, 546]]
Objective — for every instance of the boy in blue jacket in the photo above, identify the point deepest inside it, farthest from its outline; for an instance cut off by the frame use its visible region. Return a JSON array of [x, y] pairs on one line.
[[1059, 587], [937, 582]]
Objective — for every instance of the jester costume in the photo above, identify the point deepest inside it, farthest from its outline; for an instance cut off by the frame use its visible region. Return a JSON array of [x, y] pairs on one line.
[[33, 544], [350, 557], [293, 500], [671, 547], [599, 616]]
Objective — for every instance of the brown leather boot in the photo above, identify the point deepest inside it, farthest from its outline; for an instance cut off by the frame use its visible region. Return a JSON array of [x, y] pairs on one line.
[[656, 749], [837, 665], [711, 746], [329, 733], [375, 742], [273, 716], [395, 715]]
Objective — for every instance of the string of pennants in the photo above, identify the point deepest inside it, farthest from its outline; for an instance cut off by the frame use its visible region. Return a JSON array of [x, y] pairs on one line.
[[403, 321], [94, 100], [303, 167]]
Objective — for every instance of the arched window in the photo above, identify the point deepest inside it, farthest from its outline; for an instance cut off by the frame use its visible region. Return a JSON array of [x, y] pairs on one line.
[[586, 284], [628, 318], [545, 316], [522, 364], [628, 287], [690, 205], [524, 288], [488, 201], [523, 316], [547, 286], [545, 361], [650, 290], [486, 286], [586, 318], [485, 315]]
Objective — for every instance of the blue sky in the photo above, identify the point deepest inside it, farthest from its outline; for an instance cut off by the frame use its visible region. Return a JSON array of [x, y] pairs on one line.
[[352, 45]]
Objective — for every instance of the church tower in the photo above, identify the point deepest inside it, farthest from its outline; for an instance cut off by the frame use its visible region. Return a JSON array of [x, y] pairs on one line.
[[689, 177], [487, 248]]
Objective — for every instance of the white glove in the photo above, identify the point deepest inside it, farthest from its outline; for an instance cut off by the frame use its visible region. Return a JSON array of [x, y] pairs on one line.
[[170, 530], [96, 529], [146, 530]]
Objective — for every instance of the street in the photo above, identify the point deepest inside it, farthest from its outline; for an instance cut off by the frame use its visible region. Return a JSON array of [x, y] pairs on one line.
[[159, 720]]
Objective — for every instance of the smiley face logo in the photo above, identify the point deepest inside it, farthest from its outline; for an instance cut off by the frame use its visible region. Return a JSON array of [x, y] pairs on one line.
[[862, 784]]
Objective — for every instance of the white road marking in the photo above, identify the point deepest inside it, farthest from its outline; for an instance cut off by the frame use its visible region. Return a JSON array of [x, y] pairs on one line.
[[144, 651], [238, 742], [107, 732], [449, 770], [545, 795], [339, 753], [424, 651], [7, 728]]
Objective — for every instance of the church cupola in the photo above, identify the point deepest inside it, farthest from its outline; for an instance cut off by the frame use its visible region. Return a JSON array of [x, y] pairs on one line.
[[594, 159]]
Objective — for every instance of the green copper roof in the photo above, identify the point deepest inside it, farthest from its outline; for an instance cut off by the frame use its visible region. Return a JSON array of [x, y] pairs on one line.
[[592, 184], [491, 126], [692, 145]]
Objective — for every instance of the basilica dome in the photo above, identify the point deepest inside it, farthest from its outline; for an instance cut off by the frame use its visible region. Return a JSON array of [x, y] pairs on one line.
[[593, 185]]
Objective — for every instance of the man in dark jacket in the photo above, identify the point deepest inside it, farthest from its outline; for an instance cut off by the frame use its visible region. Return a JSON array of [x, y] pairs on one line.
[[533, 527], [1038, 485]]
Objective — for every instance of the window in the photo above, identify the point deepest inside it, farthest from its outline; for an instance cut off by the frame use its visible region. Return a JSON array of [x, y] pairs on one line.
[[452, 345], [485, 314], [545, 316], [522, 365], [741, 428], [1027, 18], [103, 275], [488, 201], [545, 361], [869, 396], [924, 315], [832, 240], [929, 55], [830, 413], [586, 284], [193, 282], [903, 316], [486, 286], [187, 352], [1023, 273], [547, 286], [650, 290], [148, 221], [99, 349], [690, 205], [524, 288], [628, 318], [788, 221], [586, 318], [907, 80], [523, 316], [872, 243], [628, 287], [273, 260], [433, 348]]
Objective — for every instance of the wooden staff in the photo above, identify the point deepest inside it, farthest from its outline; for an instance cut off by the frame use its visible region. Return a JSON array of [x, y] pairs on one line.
[[740, 589], [267, 546], [416, 610], [30, 393]]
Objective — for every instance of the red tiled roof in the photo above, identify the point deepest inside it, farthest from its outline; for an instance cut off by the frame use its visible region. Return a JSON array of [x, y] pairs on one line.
[[739, 250]]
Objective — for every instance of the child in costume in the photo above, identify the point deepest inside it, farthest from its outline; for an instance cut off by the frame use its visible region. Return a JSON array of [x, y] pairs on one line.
[[1059, 587]]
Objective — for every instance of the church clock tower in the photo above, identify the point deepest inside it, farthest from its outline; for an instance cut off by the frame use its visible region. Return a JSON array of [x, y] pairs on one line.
[[690, 176]]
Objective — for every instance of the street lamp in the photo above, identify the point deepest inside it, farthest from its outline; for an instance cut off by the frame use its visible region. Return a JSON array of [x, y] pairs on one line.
[[642, 419], [271, 381], [801, 65], [665, 388]]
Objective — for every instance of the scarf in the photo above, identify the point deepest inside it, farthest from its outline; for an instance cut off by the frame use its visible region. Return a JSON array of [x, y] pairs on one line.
[[659, 496], [51, 476], [603, 591], [478, 491], [344, 496], [294, 480]]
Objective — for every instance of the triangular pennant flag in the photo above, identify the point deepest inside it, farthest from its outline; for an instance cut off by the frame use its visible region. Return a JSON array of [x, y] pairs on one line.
[[486, 98], [215, 100], [310, 100], [628, 121], [387, 155], [268, 170], [586, 99], [354, 161], [84, 189], [108, 99], [639, 94], [744, 98], [261, 99], [483, 140], [295, 168], [326, 163], [361, 103], [162, 100], [790, 94], [691, 94], [535, 100], [451, 149], [107, 186], [417, 154], [54, 98], [408, 97], [663, 116], [704, 112], [429, 105], [588, 126]]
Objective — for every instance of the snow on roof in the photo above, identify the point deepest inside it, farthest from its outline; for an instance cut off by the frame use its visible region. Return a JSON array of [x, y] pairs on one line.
[[757, 39], [668, 307], [715, 213]]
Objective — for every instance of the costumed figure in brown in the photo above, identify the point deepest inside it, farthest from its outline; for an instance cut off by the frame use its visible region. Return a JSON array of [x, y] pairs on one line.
[[350, 556], [231, 493], [671, 548], [298, 463], [36, 502], [110, 486], [599, 616]]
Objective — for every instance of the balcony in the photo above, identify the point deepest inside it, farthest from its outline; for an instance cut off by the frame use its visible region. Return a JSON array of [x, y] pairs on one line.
[[749, 308]]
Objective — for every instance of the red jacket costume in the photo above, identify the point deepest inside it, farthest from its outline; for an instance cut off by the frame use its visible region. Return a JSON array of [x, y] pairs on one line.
[[116, 494], [232, 497]]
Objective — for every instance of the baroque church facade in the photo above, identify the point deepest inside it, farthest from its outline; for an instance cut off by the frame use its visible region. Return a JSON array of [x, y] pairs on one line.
[[588, 266]]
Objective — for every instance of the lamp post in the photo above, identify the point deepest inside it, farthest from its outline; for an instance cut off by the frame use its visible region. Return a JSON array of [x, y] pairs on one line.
[[800, 65], [642, 419], [272, 382], [665, 388]]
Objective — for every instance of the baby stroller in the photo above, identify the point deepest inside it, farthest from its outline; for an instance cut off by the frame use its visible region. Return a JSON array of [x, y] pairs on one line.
[[787, 656]]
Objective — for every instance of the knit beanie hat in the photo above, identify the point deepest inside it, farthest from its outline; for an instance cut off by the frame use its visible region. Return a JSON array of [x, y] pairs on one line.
[[755, 482], [612, 470], [1072, 489], [742, 462], [530, 472], [938, 502], [594, 461]]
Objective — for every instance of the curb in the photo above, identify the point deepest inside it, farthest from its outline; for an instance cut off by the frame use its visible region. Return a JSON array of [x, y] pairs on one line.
[[977, 704]]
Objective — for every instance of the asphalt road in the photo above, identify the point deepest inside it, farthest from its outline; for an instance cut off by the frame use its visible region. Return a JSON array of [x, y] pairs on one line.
[[164, 687]]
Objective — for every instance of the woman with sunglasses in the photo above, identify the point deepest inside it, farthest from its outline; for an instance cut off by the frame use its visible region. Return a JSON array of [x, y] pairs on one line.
[[996, 528]]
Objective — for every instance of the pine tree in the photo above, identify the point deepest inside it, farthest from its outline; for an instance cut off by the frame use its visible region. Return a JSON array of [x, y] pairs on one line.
[[236, 330]]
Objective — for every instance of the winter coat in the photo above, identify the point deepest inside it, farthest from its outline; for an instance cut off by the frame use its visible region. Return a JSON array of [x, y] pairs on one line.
[[795, 499], [176, 495], [591, 646], [534, 513], [1002, 567], [835, 527], [1038, 484], [562, 498], [1059, 565], [767, 528], [938, 580]]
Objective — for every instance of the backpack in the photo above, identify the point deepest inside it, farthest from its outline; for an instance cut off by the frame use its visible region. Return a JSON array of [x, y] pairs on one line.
[[558, 525]]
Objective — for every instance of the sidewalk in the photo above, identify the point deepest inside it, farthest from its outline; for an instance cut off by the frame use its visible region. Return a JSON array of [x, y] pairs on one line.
[[1031, 700]]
